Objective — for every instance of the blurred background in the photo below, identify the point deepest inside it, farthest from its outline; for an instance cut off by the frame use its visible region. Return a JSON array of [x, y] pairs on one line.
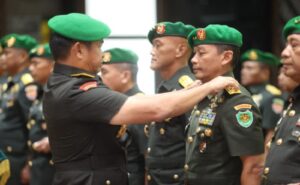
[[260, 21]]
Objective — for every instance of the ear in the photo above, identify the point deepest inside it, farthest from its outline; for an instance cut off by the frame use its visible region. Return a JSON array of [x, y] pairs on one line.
[[78, 50], [227, 57], [23, 55], [180, 50], [126, 76]]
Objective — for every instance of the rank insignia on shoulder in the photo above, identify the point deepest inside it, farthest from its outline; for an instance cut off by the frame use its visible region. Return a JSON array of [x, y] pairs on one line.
[[185, 81], [88, 85], [245, 118], [243, 106], [273, 90], [26, 78], [277, 105], [31, 92], [233, 90]]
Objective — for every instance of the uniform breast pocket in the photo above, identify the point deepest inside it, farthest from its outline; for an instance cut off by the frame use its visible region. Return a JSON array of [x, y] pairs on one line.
[[293, 146]]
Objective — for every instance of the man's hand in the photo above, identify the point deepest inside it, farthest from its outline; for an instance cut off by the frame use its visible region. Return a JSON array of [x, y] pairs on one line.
[[220, 83], [42, 145], [25, 175]]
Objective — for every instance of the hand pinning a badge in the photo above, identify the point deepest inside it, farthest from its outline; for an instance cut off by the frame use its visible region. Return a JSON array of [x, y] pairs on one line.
[[219, 83]]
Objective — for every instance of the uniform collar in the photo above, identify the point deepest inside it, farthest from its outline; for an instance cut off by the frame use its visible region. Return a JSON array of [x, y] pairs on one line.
[[134, 90], [173, 81], [256, 89], [295, 95], [69, 70]]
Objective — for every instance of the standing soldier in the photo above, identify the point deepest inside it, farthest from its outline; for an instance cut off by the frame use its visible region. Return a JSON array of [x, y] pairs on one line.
[[283, 161], [15, 105], [83, 116], [255, 75], [166, 147], [119, 73], [224, 136], [41, 165]]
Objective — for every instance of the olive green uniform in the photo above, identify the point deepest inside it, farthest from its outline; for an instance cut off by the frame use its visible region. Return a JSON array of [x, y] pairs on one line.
[[222, 128], [283, 160], [136, 149], [270, 102], [13, 133], [41, 165], [166, 146]]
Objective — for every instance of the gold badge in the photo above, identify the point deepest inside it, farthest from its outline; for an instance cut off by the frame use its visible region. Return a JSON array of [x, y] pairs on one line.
[[253, 55], [160, 29], [40, 51], [106, 57], [297, 21], [185, 81], [242, 106], [201, 34], [232, 90], [11, 41]]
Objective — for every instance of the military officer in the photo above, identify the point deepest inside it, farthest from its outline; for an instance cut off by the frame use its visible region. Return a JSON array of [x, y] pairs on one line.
[[15, 105], [166, 147], [41, 165], [224, 135], [119, 73], [4, 168], [283, 161], [83, 115], [255, 74]]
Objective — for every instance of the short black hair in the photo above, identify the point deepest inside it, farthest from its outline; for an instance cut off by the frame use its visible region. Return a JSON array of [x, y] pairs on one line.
[[133, 68], [236, 52], [60, 46]]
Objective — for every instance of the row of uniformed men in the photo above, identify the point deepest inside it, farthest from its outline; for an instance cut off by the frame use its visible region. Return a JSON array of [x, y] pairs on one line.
[[223, 136]]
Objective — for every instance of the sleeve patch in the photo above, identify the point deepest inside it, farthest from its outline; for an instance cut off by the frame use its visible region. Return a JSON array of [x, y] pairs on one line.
[[242, 106], [185, 81], [244, 118], [277, 105], [88, 85]]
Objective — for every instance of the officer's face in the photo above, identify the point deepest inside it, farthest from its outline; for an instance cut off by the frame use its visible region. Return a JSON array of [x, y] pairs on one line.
[[251, 72], [286, 83], [112, 76], [13, 58], [163, 53], [291, 57], [206, 62], [40, 69]]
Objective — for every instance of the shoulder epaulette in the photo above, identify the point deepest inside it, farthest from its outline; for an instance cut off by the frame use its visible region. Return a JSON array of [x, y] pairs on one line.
[[185, 81], [233, 90], [26, 78], [82, 75], [273, 90]]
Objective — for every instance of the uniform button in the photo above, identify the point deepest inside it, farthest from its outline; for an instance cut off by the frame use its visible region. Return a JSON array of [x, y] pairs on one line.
[[51, 162], [29, 143], [9, 148], [197, 112], [266, 170], [292, 113], [279, 141], [32, 122], [168, 119], [162, 131], [186, 167], [268, 145], [30, 163], [190, 139], [107, 182], [208, 132], [299, 139], [148, 150], [153, 123], [175, 176], [198, 130], [202, 135], [148, 177], [28, 126]]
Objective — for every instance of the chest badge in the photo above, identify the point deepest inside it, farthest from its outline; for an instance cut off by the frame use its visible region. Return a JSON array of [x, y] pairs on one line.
[[207, 117]]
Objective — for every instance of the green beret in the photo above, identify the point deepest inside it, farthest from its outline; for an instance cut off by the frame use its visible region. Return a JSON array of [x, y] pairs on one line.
[[119, 55], [177, 29], [79, 27], [42, 50], [291, 27], [18, 41], [216, 34], [261, 57]]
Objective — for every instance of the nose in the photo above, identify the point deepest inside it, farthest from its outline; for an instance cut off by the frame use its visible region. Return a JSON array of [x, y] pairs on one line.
[[285, 53]]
